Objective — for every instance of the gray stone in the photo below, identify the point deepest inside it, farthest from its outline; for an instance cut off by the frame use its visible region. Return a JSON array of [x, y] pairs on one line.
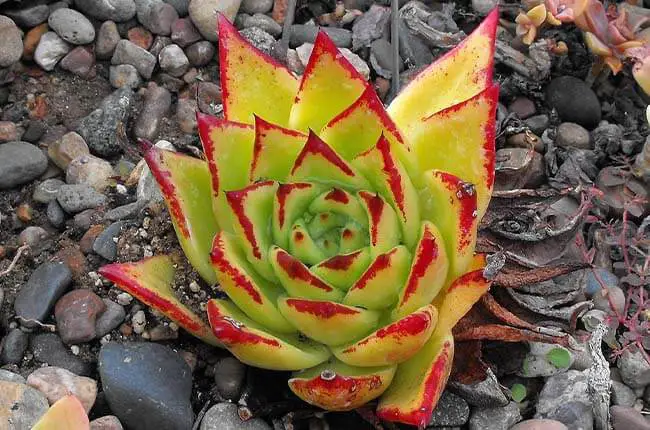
[[229, 375], [635, 370], [127, 211], [47, 190], [184, 33], [76, 198], [381, 58], [105, 10], [55, 214], [12, 42], [34, 237], [50, 50], [156, 16], [36, 298], [158, 44], [72, 26], [564, 398], [99, 127], [35, 130], [622, 395], [146, 385], [21, 406], [107, 39], [105, 244], [200, 53], [204, 15], [256, 6], [224, 416], [301, 33], [173, 60], [80, 61], [20, 163], [573, 135], [262, 21], [628, 419], [370, 26], [484, 394], [8, 376], [29, 16], [495, 418], [157, 104], [110, 319], [574, 101], [48, 348], [536, 362], [89, 170], [181, 6], [451, 410], [13, 346], [537, 123], [259, 39], [127, 52], [539, 424], [124, 75]]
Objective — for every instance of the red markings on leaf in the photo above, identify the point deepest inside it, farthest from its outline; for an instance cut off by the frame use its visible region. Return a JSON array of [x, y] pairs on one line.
[[316, 146], [341, 262], [284, 190], [427, 253], [466, 196], [338, 195], [232, 332], [382, 262], [391, 170], [375, 206], [222, 263], [298, 271], [321, 309], [470, 279], [236, 200]]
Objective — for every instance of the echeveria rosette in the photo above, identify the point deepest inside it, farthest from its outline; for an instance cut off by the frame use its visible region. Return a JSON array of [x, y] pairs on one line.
[[342, 233]]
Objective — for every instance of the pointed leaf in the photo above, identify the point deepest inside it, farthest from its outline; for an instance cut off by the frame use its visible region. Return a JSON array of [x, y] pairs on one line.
[[353, 237], [459, 298], [252, 82], [418, 383], [328, 322], [303, 247], [336, 386], [341, 202], [255, 296], [67, 413], [343, 270], [392, 344], [256, 346], [276, 149], [150, 281], [185, 184], [291, 200], [329, 85], [383, 223]]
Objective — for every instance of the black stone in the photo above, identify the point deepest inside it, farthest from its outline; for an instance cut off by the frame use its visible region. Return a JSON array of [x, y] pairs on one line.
[[574, 101], [49, 348], [13, 347], [104, 244], [36, 298]]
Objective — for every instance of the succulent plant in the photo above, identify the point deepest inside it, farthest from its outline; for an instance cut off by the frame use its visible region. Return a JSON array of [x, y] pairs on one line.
[[341, 233]]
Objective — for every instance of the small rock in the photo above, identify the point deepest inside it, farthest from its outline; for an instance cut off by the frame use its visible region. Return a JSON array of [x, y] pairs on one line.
[[108, 422], [76, 198], [209, 97], [157, 103], [381, 58], [12, 42], [536, 362], [76, 261], [635, 370], [186, 115], [35, 130], [8, 376], [622, 395], [162, 332], [20, 163], [51, 48], [31, 40], [107, 39], [129, 210], [484, 394], [181, 6], [573, 135], [538, 124], [76, 313], [66, 149], [56, 383], [301, 33], [451, 410], [89, 170], [36, 298], [539, 424], [139, 322], [370, 26], [259, 39], [159, 18], [124, 299], [106, 243], [8, 131], [110, 319], [574, 101], [127, 52], [224, 416], [105, 10], [48, 348], [21, 406], [158, 44], [124, 75], [627, 418], [204, 15], [131, 375], [262, 21], [523, 107], [33, 237], [502, 418], [72, 26], [229, 375], [29, 16], [607, 138], [80, 61], [13, 346], [256, 6], [564, 398], [511, 175], [173, 60], [55, 214], [183, 32], [200, 53], [141, 37]]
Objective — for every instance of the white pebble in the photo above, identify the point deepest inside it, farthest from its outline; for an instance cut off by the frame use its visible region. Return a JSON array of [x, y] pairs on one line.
[[124, 299]]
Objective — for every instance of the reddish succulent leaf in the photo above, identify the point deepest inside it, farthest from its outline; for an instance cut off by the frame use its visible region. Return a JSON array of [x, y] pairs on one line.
[[343, 270], [67, 413], [459, 298], [291, 200], [383, 223], [276, 149]]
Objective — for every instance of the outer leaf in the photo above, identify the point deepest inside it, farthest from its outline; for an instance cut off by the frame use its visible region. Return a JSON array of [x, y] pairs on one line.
[[383, 223], [460, 140], [253, 295], [336, 386], [460, 74], [67, 413], [451, 204], [328, 322], [329, 85], [150, 281], [252, 82], [343, 270], [459, 298], [276, 149], [185, 184], [392, 344], [258, 347], [418, 383]]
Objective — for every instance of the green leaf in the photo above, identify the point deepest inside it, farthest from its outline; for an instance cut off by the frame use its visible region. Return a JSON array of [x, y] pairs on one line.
[[518, 392], [559, 357]]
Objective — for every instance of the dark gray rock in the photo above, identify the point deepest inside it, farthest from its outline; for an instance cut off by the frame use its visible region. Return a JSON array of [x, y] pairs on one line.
[[301, 33], [20, 163], [224, 416], [48, 348], [229, 375], [370, 26], [8, 376], [537, 123], [105, 10], [256, 6], [36, 298], [495, 418], [262, 21], [635, 370], [13, 346], [107, 39], [72, 26], [110, 319], [173, 60], [99, 128], [574, 101], [147, 385], [127, 211], [622, 395], [29, 16], [180, 6], [451, 410], [484, 394], [105, 245], [573, 135], [35, 130], [12, 42], [76, 198], [564, 398], [156, 16], [127, 52], [55, 214], [200, 53]]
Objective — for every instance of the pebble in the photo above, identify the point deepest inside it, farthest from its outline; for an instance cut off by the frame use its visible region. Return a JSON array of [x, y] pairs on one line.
[[8, 131], [104, 10], [451, 410], [48, 348], [127, 52], [55, 214], [35, 130], [33, 236], [160, 18], [484, 394], [36, 298], [50, 50], [302, 33], [98, 128], [209, 97], [20, 163], [607, 138], [502, 418], [173, 60], [181, 6], [523, 107], [80, 61], [574, 101], [107, 422], [262, 21], [622, 395], [31, 40], [124, 75], [129, 210], [20, 405], [87, 240], [110, 319], [12, 42], [6, 375], [183, 32], [29, 16], [72, 26], [627, 418], [539, 424], [602, 301], [107, 39], [76, 313], [89, 170], [200, 53], [225, 416], [564, 398], [256, 6], [513, 158], [573, 135], [158, 44], [538, 123], [204, 16], [72, 257], [229, 375], [57, 383], [70, 146], [186, 114], [75, 198], [105, 244], [536, 362], [13, 346], [635, 370], [139, 393], [370, 26], [124, 298]]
